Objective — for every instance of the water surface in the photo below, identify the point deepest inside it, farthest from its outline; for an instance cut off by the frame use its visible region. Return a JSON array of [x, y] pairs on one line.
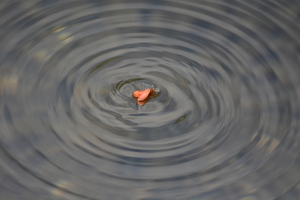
[[224, 123]]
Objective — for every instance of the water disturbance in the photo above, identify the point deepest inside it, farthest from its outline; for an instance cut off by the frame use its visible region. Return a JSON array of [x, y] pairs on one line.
[[223, 124]]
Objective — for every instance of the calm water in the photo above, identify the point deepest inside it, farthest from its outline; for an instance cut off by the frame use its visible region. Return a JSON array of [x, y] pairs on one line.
[[224, 123]]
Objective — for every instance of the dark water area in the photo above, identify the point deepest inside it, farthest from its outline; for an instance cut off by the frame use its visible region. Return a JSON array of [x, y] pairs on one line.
[[224, 123]]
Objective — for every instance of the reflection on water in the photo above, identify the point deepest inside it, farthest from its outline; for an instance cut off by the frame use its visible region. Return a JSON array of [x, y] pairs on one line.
[[224, 123]]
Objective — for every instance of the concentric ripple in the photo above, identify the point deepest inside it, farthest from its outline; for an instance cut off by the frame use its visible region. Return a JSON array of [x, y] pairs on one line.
[[223, 124]]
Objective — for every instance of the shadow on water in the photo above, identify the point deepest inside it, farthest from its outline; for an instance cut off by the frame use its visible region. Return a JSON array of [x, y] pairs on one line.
[[222, 124]]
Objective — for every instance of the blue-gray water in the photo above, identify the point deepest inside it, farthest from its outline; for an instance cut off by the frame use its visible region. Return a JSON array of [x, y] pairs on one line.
[[224, 123]]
